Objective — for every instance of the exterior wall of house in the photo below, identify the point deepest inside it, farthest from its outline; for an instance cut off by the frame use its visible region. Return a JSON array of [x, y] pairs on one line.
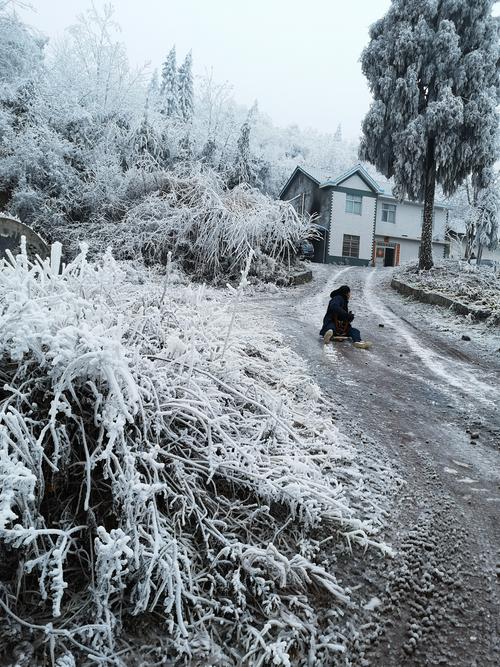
[[409, 220], [316, 199], [408, 249], [355, 182], [306, 196], [353, 224]]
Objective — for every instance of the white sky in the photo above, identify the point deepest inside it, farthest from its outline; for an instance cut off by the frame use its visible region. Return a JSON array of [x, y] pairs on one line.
[[299, 59]]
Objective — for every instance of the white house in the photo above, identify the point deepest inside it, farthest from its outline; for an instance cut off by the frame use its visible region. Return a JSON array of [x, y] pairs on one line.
[[359, 222]]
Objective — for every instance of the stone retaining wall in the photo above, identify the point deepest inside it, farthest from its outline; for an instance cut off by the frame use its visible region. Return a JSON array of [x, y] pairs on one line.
[[301, 278], [438, 299]]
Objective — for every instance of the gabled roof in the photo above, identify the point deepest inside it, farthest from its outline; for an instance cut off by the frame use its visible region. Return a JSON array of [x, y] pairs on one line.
[[325, 180], [361, 172], [311, 172]]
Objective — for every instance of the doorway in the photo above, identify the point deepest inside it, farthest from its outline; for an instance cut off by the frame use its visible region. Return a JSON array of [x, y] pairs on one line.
[[389, 257]]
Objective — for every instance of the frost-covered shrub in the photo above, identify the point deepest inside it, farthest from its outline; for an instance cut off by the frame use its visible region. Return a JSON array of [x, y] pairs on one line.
[[207, 226], [167, 484], [476, 286]]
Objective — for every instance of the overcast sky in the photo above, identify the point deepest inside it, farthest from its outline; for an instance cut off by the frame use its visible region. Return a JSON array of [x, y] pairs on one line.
[[299, 59]]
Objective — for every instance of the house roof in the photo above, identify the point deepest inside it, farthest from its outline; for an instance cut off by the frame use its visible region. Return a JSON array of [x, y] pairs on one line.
[[388, 195], [361, 172], [316, 175], [323, 179]]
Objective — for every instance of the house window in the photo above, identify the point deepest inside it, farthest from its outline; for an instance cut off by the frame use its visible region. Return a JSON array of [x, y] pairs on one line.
[[353, 204], [350, 246], [389, 213]]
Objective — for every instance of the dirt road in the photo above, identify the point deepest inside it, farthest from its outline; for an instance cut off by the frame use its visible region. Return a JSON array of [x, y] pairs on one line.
[[432, 404]]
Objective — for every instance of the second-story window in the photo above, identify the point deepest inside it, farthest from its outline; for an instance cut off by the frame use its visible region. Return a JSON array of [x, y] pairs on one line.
[[388, 212], [353, 204]]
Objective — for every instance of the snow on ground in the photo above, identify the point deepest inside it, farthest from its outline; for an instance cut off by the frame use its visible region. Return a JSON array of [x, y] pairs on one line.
[[166, 462], [475, 286], [445, 323]]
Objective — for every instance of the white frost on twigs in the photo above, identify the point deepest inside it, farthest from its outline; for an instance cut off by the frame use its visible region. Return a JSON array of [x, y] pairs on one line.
[[150, 463]]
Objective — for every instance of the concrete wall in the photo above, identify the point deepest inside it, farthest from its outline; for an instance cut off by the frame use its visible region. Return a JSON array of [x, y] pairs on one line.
[[408, 250], [350, 223], [317, 200], [355, 182], [12, 230], [409, 220]]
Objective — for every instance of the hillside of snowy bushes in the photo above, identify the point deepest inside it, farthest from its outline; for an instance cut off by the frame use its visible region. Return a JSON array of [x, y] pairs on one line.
[[172, 485], [92, 150]]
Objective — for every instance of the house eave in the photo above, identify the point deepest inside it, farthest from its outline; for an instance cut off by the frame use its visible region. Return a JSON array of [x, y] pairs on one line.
[[362, 173], [392, 198]]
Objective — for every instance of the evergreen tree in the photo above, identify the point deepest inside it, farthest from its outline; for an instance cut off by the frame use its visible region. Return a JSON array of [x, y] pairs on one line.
[[338, 133], [169, 91], [242, 169], [433, 69], [153, 92], [145, 142], [186, 91], [207, 155]]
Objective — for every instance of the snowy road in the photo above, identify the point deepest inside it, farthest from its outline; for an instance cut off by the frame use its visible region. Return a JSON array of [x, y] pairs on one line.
[[432, 403]]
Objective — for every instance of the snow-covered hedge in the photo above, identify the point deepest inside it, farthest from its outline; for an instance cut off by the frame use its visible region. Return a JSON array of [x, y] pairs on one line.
[[207, 226], [170, 479], [475, 286]]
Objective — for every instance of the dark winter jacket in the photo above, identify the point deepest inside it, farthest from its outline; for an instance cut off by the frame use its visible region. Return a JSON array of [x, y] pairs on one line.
[[338, 309]]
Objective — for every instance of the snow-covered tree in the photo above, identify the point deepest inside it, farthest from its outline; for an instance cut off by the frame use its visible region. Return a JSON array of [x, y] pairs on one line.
[[338, 133], [90, 67], [487, 211], [433, 69], [242, 171], [186, 90], [169, 90]]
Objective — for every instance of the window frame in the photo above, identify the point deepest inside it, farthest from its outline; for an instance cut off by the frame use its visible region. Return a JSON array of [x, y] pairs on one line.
[[353, 200], [388, 208], [350, 245]]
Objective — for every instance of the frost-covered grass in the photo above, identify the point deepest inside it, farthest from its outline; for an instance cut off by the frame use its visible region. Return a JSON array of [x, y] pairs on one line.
[[208, 227], [171, 481], [475, 286]]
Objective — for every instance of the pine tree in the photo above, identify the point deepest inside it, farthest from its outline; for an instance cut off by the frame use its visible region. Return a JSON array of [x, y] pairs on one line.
[[338, 133], [432, 66], [186, 91], [207, 155], [169, 91], [145, 142], [153, 92], [241, 170]]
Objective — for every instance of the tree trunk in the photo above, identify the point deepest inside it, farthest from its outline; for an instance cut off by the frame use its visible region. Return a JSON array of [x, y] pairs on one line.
[[469, 241], [425, 252], [479, 253]]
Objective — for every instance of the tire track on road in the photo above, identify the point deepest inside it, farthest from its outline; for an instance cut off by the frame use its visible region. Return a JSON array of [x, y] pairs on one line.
[[453, 373]]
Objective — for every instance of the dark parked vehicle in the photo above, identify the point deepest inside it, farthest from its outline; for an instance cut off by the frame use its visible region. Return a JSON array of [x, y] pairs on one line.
[[305, 250]]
